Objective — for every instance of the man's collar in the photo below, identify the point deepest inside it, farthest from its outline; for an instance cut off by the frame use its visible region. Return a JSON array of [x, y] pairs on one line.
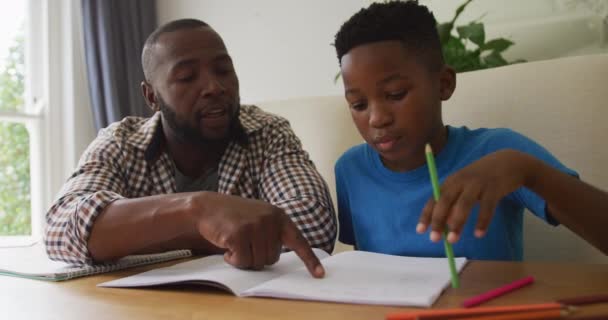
[[148, 137]]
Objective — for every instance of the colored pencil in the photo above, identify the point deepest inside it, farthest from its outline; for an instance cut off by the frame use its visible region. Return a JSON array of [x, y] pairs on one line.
[[579, 301], [430, 160], [462, 312], [591, 317], [526, 315], [484, 297]]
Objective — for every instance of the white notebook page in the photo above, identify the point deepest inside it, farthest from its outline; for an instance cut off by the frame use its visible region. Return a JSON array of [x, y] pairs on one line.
[[214, 269], [368, 278]]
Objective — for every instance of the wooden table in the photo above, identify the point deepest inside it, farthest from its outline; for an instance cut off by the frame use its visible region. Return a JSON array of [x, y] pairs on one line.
[[81, 299]]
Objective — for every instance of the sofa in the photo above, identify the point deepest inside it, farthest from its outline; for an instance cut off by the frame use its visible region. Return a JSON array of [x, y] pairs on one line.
[[560, 103]]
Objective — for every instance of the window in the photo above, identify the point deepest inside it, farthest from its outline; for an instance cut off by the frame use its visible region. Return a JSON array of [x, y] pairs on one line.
[[45, 111], [15, 184], [19, 122]]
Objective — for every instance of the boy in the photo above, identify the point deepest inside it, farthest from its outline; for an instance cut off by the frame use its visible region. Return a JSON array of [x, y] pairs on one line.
[[395, 79]]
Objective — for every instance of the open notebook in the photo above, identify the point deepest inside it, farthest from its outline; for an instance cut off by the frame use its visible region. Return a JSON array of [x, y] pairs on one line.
[[32, 263], [351, 277]]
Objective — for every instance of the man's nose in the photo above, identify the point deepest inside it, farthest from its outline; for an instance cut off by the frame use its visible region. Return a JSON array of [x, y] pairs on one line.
[[380, 116], [212, 87]]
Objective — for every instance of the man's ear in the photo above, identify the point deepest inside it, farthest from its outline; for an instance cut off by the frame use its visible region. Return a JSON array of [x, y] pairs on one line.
[[447, 82], [149, 95]]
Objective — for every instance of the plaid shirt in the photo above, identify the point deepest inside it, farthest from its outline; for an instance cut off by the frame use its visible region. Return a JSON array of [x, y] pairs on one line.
[[126, 160]]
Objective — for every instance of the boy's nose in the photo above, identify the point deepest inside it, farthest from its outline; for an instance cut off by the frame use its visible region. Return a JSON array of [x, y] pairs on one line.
[[380, 116]]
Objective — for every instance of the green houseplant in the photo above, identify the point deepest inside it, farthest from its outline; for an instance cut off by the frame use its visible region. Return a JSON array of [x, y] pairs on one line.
[[468, 49]]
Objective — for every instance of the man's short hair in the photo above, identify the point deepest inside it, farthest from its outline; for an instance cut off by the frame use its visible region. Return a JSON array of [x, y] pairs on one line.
[[175, 25], [406, 21]]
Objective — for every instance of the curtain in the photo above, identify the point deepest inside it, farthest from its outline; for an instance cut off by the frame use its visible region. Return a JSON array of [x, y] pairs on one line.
[[114, 34]]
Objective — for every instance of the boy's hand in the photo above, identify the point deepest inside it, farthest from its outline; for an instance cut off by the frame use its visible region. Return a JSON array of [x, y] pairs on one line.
[[485, 181]]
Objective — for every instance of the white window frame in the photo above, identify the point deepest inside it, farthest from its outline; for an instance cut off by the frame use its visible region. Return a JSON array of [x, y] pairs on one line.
[[32, 117], [57, 111]]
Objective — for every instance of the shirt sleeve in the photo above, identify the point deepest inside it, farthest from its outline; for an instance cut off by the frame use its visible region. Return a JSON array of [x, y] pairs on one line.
[[525, 196], [290, 181], [95, 184], [346, 234]]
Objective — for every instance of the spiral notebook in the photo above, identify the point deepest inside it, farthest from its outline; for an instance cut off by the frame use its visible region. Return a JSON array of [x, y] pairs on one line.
[[33, 263]]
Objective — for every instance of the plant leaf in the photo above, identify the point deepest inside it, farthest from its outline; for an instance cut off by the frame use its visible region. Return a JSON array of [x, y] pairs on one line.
[[498, 45], [453, 51], [459, 58], [459, 10], [444, 30], [454, 42], [494, 59], [473, 31]]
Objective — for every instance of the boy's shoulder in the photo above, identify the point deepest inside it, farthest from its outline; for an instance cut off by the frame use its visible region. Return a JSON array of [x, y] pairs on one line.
[[483, 133], [482, 141], [491, 137], [353, 154]]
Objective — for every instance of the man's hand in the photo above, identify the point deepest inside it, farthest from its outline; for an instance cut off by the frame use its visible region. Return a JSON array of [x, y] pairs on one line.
[[485, 181], [252, 232]]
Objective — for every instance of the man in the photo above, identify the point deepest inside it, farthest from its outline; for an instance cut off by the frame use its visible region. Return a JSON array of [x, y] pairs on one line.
[[187, 177]]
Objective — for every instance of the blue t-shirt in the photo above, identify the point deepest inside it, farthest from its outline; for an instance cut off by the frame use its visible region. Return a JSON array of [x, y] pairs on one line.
[[379, 209]]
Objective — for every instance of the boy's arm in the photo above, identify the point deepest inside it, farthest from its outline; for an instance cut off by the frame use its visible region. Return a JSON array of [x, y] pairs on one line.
[[346, 232], [577, 205]]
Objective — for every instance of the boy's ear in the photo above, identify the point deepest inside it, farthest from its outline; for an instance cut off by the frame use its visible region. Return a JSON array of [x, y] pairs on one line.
[[148, 92], [447, 82]]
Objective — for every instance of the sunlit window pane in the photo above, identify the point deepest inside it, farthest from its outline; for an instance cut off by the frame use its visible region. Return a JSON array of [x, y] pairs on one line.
[[15, 207], [12, 24]]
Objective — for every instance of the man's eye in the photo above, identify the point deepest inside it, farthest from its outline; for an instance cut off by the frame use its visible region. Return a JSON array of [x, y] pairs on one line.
[[186, 78], [396, 95], [224, 70]]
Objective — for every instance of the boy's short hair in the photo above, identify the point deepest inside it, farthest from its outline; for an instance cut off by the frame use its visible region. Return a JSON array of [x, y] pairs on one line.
[[406, 21]]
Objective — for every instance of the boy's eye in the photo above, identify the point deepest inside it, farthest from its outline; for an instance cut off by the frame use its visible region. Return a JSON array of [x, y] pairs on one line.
[[358, 106], [396, 95]]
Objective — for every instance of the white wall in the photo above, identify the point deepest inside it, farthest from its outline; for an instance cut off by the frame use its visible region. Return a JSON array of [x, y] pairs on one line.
[[282, 48]]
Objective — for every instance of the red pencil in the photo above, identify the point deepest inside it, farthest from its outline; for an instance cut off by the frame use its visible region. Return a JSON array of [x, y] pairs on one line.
[[497, 292]]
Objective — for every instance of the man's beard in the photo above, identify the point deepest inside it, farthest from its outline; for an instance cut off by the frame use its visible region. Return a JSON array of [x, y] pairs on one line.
[[193, 135]]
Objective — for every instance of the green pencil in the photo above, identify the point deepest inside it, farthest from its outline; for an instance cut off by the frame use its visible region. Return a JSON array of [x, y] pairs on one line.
[[430, 160]]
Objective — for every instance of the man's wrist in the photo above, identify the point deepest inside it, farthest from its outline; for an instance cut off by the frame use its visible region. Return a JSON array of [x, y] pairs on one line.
[[194, 209]]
